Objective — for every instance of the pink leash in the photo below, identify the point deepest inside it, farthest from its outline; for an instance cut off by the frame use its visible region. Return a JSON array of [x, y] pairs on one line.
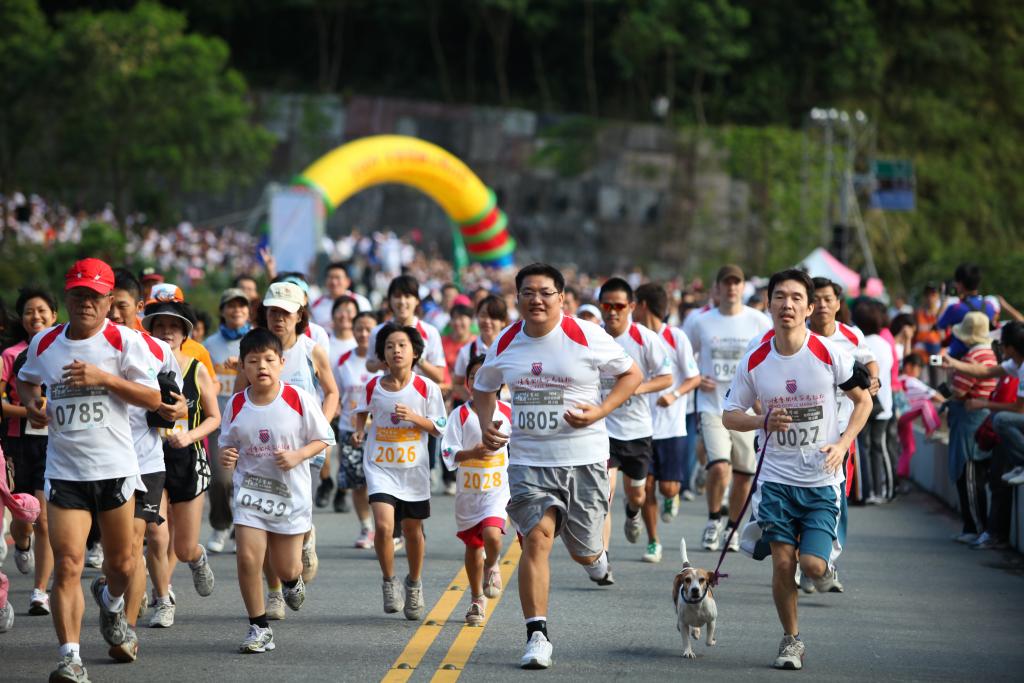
[[718, 575]]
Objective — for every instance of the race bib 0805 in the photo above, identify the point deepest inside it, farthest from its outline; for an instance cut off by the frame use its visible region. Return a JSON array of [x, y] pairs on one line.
[[537, 412], [72, 409]]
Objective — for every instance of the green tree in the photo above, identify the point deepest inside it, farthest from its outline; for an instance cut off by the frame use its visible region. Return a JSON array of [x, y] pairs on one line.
[[26, 49], [153, 110]]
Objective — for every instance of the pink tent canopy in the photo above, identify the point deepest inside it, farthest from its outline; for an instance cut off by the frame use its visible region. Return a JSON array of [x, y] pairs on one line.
[[820, 263]]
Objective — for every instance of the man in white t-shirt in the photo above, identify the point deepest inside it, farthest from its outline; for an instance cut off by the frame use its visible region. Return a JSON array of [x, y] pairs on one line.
[[336, 283], [630, 426], [557, 475], [670, 465], [720, 338], [796, 376], [93, 370]]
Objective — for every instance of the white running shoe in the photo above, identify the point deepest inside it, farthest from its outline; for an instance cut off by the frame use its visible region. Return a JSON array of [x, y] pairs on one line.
[[492, 582], [294, 597], [805, 582], [163, 615], [202, 575], [394, 595], [791, 654], [25, 560], [3, 536], [538, 653], [275, 605], [712, 535], [399, 544], [477, 611], [218, 540], [829, 583], [365, 540], [734, 542], [1016, 471], [6, 617], [310, 561], [39, 603], [257, 640], [94, 557], [653, 554], [1016, 481], [414, 606], [70, 669]]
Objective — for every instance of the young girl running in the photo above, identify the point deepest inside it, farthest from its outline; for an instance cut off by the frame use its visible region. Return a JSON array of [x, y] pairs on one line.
[[481, 496], [405, 410], [268, 433], [352, 377], [187, 469]]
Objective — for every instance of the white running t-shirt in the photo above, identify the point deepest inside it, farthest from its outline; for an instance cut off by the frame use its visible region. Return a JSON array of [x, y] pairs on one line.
[[482, 484], [396, 459], [473, 348], [547, 376], [265, 496], [149, 447], [298, 367], [322, 308], [632, 419], [670, 422], [805, 384], [720, 342], [352, 377], [90, 436]]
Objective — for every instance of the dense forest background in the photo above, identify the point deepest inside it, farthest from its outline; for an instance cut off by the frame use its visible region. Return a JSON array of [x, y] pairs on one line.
[[85, 85]]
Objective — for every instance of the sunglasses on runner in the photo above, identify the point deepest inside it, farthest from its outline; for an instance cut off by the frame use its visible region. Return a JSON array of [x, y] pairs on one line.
[[617, 306]]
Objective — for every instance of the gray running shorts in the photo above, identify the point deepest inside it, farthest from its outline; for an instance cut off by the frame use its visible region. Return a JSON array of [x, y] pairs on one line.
[[579, 493]]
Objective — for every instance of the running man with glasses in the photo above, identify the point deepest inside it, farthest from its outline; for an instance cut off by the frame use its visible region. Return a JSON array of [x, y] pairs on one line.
[[557, 475]]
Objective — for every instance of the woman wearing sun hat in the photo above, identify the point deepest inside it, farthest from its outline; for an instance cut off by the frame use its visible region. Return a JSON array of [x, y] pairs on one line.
[[968, 465]]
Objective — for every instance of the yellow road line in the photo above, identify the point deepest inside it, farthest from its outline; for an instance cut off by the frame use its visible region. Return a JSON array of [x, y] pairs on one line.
[[424, 636], [458, 654]]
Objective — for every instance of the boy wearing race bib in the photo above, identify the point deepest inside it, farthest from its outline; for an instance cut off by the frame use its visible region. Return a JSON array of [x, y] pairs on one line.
[[797, 504], [405, 410], [267, 434], [481, 495]]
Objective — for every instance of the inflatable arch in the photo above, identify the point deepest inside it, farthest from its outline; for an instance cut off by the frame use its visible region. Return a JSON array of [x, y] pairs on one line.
[[380, 159]]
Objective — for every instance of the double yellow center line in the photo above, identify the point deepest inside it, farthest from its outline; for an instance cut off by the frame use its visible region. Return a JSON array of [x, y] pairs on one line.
[[458, 654]]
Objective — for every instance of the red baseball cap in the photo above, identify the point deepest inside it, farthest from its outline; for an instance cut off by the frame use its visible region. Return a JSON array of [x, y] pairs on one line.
[[92, 273]]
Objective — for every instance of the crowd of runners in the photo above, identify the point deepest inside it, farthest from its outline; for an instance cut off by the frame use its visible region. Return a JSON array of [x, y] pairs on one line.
[[527, 408]]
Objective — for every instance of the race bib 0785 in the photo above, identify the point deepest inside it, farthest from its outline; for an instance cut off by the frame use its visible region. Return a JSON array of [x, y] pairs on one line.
[[72, 409]]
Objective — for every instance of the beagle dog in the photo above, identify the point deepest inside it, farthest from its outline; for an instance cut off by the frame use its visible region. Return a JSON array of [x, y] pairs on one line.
[[695, 603]]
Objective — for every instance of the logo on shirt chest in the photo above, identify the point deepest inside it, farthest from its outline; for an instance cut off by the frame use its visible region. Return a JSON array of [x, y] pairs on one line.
[[395, 419], [791, 386], [537, 368], [265, 435]]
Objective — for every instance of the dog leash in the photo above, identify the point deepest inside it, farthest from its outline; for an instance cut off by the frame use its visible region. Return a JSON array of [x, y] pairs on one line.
[[718, 575]]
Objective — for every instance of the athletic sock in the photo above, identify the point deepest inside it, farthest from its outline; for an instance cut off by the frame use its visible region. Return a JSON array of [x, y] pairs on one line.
[[366, 524], [598, 569], [163, 599], [290, 585], [534, 624], [716, 515], [72, 650], [630, 512], [200, 562], [260, 621], [730, 525], [110, 602], [412, 584]]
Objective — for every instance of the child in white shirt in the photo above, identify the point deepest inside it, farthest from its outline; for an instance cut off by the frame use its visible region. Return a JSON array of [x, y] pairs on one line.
[[481, 495]]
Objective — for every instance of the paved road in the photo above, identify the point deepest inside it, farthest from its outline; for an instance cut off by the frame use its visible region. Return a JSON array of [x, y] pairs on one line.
[[917, 607]]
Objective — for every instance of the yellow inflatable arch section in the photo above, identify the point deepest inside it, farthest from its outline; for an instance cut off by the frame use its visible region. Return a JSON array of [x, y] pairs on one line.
[[380, 159]]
